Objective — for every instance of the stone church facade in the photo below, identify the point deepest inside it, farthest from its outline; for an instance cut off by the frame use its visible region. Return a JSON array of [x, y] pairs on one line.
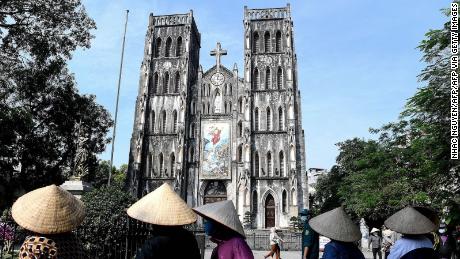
[[222, 133]]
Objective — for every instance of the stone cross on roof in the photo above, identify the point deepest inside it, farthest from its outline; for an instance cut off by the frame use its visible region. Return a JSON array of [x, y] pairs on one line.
[[218, 52]]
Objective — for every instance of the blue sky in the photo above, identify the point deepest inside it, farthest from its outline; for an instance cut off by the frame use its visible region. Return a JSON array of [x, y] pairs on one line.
[[357, 60]]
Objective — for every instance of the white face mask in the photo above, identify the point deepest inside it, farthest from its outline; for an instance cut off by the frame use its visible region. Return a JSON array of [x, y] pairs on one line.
[[442, 230], [303, 218]]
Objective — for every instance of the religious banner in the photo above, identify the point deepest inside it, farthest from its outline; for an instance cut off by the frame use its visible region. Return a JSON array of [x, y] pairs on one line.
[[215, 150]]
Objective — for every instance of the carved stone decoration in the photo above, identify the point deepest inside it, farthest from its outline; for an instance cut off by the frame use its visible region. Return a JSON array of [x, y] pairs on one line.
[[266, 60], [243, 179], [246, 135], [167, 65]]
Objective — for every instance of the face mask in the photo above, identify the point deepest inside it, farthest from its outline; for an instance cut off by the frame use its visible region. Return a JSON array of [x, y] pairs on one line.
[[303, 218], [208, 227], [442, 230]]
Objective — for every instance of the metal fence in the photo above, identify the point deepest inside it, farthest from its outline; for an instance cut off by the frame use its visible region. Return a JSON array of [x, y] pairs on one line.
[[135, 233]]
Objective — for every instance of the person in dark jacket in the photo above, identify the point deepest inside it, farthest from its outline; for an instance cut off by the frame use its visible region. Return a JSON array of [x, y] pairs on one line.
[[337, 226], [167, 213], [310, 239]]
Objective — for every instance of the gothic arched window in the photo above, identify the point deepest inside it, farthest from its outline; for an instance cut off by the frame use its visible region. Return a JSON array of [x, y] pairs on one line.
[[176, 82], [256, 164], [163, 115], [172, 160], [279, 78], [267, 41], [280, 118], [156, 82], [256, 43], [254, 201], [240, 129], [150, 170], [284, 201], [192, 130], [160, 164], [281, 158], [256, 80], [158, 47], [152, 121], [268, 78], [269, 119], [240, 104], [269, 163], [278, 41], [240, 153], [192, 155], [229, 107], [175, 121], [230, 90], [166, 83], [179, 47], [168, 47], [256, 119]]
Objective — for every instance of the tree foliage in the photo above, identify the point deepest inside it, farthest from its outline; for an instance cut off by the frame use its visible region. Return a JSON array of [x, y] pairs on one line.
[[409, 162], [106, 218], [40, 107]]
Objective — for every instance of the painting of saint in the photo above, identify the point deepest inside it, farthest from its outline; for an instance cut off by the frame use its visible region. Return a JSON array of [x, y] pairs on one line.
[[215, 150]]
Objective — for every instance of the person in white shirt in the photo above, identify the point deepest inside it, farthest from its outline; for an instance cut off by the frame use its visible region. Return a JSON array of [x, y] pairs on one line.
[[275, 241]]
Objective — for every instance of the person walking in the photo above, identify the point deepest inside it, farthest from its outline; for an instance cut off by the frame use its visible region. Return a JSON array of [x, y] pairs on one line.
[[222, 224], [51, 214], [275, 242], [337, 225], [446, 243], [376, 241], [167, 213], [413, 243], [310, 239], [388, 240]]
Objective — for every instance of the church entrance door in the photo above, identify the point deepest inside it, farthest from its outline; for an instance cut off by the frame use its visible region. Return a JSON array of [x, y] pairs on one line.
[[269, 211], [215, 191]]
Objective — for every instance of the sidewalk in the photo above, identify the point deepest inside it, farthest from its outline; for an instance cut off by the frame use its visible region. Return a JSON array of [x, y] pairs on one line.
[[284, 254]]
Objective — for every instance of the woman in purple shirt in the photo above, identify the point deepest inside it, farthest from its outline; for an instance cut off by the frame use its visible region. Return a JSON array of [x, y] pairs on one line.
[[221, 223]]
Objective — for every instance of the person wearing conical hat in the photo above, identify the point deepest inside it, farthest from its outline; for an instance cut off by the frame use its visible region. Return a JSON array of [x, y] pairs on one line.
[[413, 226], [168, 213], [389, 238], [337, 225], [376, 241], [310, 239], [50, 213], [222, 224]]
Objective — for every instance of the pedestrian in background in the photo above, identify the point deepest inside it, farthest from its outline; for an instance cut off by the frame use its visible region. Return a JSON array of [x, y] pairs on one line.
[[275, 244], [376, 241], [413, 226], [388, 240], [167, 213], [338, 226], [310, 239], [51, 214], [222, 224]]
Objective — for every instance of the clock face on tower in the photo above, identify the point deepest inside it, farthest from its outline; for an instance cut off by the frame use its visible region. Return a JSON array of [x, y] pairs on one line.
[[217, 79]]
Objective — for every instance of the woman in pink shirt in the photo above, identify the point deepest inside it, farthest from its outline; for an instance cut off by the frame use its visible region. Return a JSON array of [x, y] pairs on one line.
[[221, 223]]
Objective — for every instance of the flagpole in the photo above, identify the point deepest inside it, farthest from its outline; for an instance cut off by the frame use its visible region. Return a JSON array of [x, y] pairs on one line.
[[118, 97]]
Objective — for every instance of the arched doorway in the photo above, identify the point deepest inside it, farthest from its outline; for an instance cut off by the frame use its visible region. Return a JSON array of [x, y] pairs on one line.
[[215, 191], [269, 211]]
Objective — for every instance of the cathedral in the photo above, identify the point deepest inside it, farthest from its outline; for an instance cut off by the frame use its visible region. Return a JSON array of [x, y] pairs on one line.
[[222, 133]]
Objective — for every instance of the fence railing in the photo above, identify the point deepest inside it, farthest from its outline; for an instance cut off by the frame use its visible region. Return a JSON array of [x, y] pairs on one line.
[[135, 233]]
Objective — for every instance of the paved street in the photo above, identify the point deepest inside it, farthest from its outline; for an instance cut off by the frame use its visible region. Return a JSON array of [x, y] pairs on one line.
[[284, 254]]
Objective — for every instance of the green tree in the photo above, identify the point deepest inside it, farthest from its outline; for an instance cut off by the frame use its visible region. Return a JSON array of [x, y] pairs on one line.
[[100, 177], [409, 162], [40, 107], [106, 218]]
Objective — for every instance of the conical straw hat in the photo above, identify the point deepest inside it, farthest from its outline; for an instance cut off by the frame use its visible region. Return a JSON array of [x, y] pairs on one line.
[[335, 224], [374, 230], [409, 221], [162, 207], [223, 212], [48, 210]]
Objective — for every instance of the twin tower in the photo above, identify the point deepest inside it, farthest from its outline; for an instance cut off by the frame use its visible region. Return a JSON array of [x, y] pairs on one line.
[[222, 134]]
